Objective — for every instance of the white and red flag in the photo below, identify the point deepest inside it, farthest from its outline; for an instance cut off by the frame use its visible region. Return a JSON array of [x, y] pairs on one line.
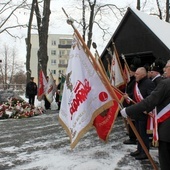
[[105, 121], [126, 72], [116, 74], [84, 94], [42, 85], [50, 88]]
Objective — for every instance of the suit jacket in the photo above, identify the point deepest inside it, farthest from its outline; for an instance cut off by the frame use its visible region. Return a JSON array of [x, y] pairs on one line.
[[157, 80], [160, 97]]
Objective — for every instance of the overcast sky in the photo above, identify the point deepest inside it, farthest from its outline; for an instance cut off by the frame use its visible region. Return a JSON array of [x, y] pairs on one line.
[[58, 23]]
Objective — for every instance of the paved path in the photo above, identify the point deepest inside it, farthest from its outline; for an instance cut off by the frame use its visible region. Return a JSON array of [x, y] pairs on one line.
[[29, 140]]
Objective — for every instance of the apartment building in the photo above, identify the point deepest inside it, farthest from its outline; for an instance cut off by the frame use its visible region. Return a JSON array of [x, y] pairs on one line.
[[58, 51]]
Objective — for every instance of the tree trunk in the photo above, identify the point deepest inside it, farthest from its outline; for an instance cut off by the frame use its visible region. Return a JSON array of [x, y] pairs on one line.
[[28, 43], [91, 22], [167, 11], [43, 25], [84, 21], [138, 5]]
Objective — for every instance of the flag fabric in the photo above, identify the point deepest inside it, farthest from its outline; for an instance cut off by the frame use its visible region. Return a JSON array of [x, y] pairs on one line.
[[105, 121], [155, 128], [126, 70], [116, 73], [42, 85], [126, 73], [84, 94], [50, 88]]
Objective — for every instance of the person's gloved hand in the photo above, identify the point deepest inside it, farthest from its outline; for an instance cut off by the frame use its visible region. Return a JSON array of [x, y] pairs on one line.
[[123, 113]]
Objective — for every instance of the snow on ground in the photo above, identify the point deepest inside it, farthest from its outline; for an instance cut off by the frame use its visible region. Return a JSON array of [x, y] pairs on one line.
[[40, 143]]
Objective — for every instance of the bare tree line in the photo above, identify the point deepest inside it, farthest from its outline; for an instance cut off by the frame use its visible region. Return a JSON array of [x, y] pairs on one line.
[[92, 13]]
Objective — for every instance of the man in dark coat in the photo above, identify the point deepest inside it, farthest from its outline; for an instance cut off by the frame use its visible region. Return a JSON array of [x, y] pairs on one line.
[[157, 71], [31, 90], [159, 98], [144, 86]]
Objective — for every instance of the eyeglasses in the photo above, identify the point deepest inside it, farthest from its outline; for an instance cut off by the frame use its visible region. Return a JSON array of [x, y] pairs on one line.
[[166, 66]]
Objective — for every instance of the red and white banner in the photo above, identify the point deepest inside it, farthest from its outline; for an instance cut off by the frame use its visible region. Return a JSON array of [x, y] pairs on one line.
[[126, 73], [116, 73], [84, 94], [105, 121], [42, 85], [50, 88]]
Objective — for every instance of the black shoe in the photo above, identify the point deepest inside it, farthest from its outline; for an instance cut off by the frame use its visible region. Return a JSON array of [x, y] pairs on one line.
[[141, 156], [136, 153], [129, 142]]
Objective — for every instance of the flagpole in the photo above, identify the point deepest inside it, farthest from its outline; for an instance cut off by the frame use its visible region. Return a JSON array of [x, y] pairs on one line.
[[108, 86], [99, 59], [124, 59]]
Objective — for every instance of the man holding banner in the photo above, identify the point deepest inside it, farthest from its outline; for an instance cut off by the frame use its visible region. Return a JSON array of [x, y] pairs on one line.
[[159, 98]]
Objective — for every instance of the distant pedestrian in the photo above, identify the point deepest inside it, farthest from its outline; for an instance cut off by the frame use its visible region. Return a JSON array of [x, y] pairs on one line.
[[31, 91], [57, 96], [47, 103]]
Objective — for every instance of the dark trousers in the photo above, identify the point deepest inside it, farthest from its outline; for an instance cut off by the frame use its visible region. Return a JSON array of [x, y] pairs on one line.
[[47, 103], [164, 155], [31, 99], [141, 127], [132, 136]]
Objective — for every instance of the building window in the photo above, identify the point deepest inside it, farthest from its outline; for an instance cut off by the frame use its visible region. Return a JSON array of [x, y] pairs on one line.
[[61, 61], [62, 42], [53, 62], [68, 52], [65, 41], [53, 42], [53, 72], [61, 52], [53, 52], [69, 42]]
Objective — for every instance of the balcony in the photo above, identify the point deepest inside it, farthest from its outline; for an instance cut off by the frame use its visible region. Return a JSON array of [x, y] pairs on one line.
[[63, 65], [64, 46]]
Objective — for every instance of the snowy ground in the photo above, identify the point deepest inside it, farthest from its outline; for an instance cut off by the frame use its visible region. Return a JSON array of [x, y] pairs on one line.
[[40, 143]]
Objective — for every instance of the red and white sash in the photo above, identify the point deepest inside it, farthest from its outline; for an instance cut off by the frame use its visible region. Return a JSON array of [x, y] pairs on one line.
[[137, 93], [158, 118], [138, 98], [163, 114]]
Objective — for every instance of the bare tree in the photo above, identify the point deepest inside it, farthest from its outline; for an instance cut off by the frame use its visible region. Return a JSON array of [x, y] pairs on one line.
[[96, 10], [43, 26], [9, 65], [167, 11], [28, 41], [8, 12], [84, 19], [159, 9], [138, 5]]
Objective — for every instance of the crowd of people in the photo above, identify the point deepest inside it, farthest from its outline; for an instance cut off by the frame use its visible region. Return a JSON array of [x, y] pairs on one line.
[[149, 89]]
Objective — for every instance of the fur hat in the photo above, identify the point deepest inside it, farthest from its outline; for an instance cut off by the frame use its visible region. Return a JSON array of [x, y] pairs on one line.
[[158, 66]]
